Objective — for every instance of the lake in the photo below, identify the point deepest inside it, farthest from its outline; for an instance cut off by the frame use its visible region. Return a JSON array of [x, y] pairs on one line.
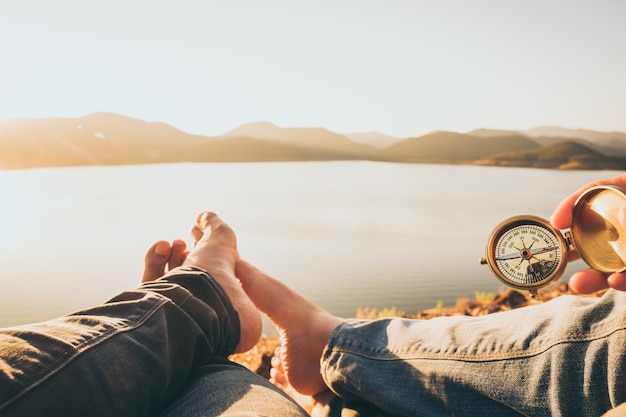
[[344, 234]]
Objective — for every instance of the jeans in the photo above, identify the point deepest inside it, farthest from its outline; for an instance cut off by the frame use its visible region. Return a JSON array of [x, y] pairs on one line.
[[566, 357], [159, 349]]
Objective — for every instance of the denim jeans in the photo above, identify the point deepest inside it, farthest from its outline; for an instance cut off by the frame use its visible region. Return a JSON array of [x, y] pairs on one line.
[[566, 357], [159, 349]]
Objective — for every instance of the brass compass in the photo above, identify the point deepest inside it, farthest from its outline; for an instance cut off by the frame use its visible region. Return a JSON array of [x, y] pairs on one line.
[[526, 252]]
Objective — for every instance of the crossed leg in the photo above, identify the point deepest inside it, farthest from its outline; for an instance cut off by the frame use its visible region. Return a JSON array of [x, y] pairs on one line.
[[215, 251], [221, 387], [304, 328]]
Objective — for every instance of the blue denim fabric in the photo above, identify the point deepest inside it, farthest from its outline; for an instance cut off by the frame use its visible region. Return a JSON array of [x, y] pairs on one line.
[[161, 349], [565, 357], [132, 356], [211, 389]]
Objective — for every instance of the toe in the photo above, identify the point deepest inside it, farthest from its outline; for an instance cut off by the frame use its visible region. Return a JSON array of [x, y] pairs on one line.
[[155, 260], [178, 254], [208, 219], [197, 234]]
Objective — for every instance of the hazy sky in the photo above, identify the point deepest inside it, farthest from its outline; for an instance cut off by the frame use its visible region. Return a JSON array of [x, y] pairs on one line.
[[399, 67]]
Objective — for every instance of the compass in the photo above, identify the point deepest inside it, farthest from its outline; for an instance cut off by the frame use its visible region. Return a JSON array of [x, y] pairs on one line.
[[526, 252]]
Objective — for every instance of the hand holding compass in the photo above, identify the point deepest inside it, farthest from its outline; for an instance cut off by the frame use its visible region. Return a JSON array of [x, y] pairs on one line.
[[528, 253]]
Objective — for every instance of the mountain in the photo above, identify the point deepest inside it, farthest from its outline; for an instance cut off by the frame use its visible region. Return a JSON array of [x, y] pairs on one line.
[[113, 139], [567, 154], [609, 143], [246, 149], [315, 138], [488, 133], [375, 139], [589, 135], [259, 130], [451, 147], [96, 139]]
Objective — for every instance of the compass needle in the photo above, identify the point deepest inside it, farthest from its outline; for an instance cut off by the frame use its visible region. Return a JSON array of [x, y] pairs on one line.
[[509, 256], [543, 250]]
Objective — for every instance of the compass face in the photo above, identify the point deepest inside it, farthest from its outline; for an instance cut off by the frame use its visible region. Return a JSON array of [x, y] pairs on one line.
[[526, 252]]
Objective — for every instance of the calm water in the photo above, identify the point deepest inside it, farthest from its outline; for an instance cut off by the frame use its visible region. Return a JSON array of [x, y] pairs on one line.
[[345, 234]]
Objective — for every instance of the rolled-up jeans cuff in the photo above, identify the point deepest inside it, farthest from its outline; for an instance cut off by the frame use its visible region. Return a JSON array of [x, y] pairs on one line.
[[203, 288]]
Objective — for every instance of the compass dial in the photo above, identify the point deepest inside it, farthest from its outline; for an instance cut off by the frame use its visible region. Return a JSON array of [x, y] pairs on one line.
[[526, 252]]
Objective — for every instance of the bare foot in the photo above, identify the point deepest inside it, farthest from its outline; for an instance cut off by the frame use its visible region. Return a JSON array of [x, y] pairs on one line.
[[161, 257], [216, 252], [315, 405], [304, 328]]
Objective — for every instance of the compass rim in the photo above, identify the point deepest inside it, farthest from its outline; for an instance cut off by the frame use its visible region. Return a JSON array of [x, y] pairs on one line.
[[516, 221]]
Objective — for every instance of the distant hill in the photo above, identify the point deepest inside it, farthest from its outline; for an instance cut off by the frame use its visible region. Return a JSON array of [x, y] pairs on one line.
[[267, 130], [375, 139], [113, 139], [246, 149], [96, 139], [616, 150], [589, 135], [315, 138], [567, 154], [259, 130], [489, 133], [451, 147], [609, 143]]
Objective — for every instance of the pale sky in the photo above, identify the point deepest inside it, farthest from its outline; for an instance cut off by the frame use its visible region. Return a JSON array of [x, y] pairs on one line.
[[399, 67]]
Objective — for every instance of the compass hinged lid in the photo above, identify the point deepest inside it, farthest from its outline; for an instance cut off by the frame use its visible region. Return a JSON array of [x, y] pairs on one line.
[[597, 233]]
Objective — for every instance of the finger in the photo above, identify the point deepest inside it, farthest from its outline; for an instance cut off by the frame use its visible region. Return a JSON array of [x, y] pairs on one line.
[[562, 216], [617, 281], [573, 256], [588, 281]]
